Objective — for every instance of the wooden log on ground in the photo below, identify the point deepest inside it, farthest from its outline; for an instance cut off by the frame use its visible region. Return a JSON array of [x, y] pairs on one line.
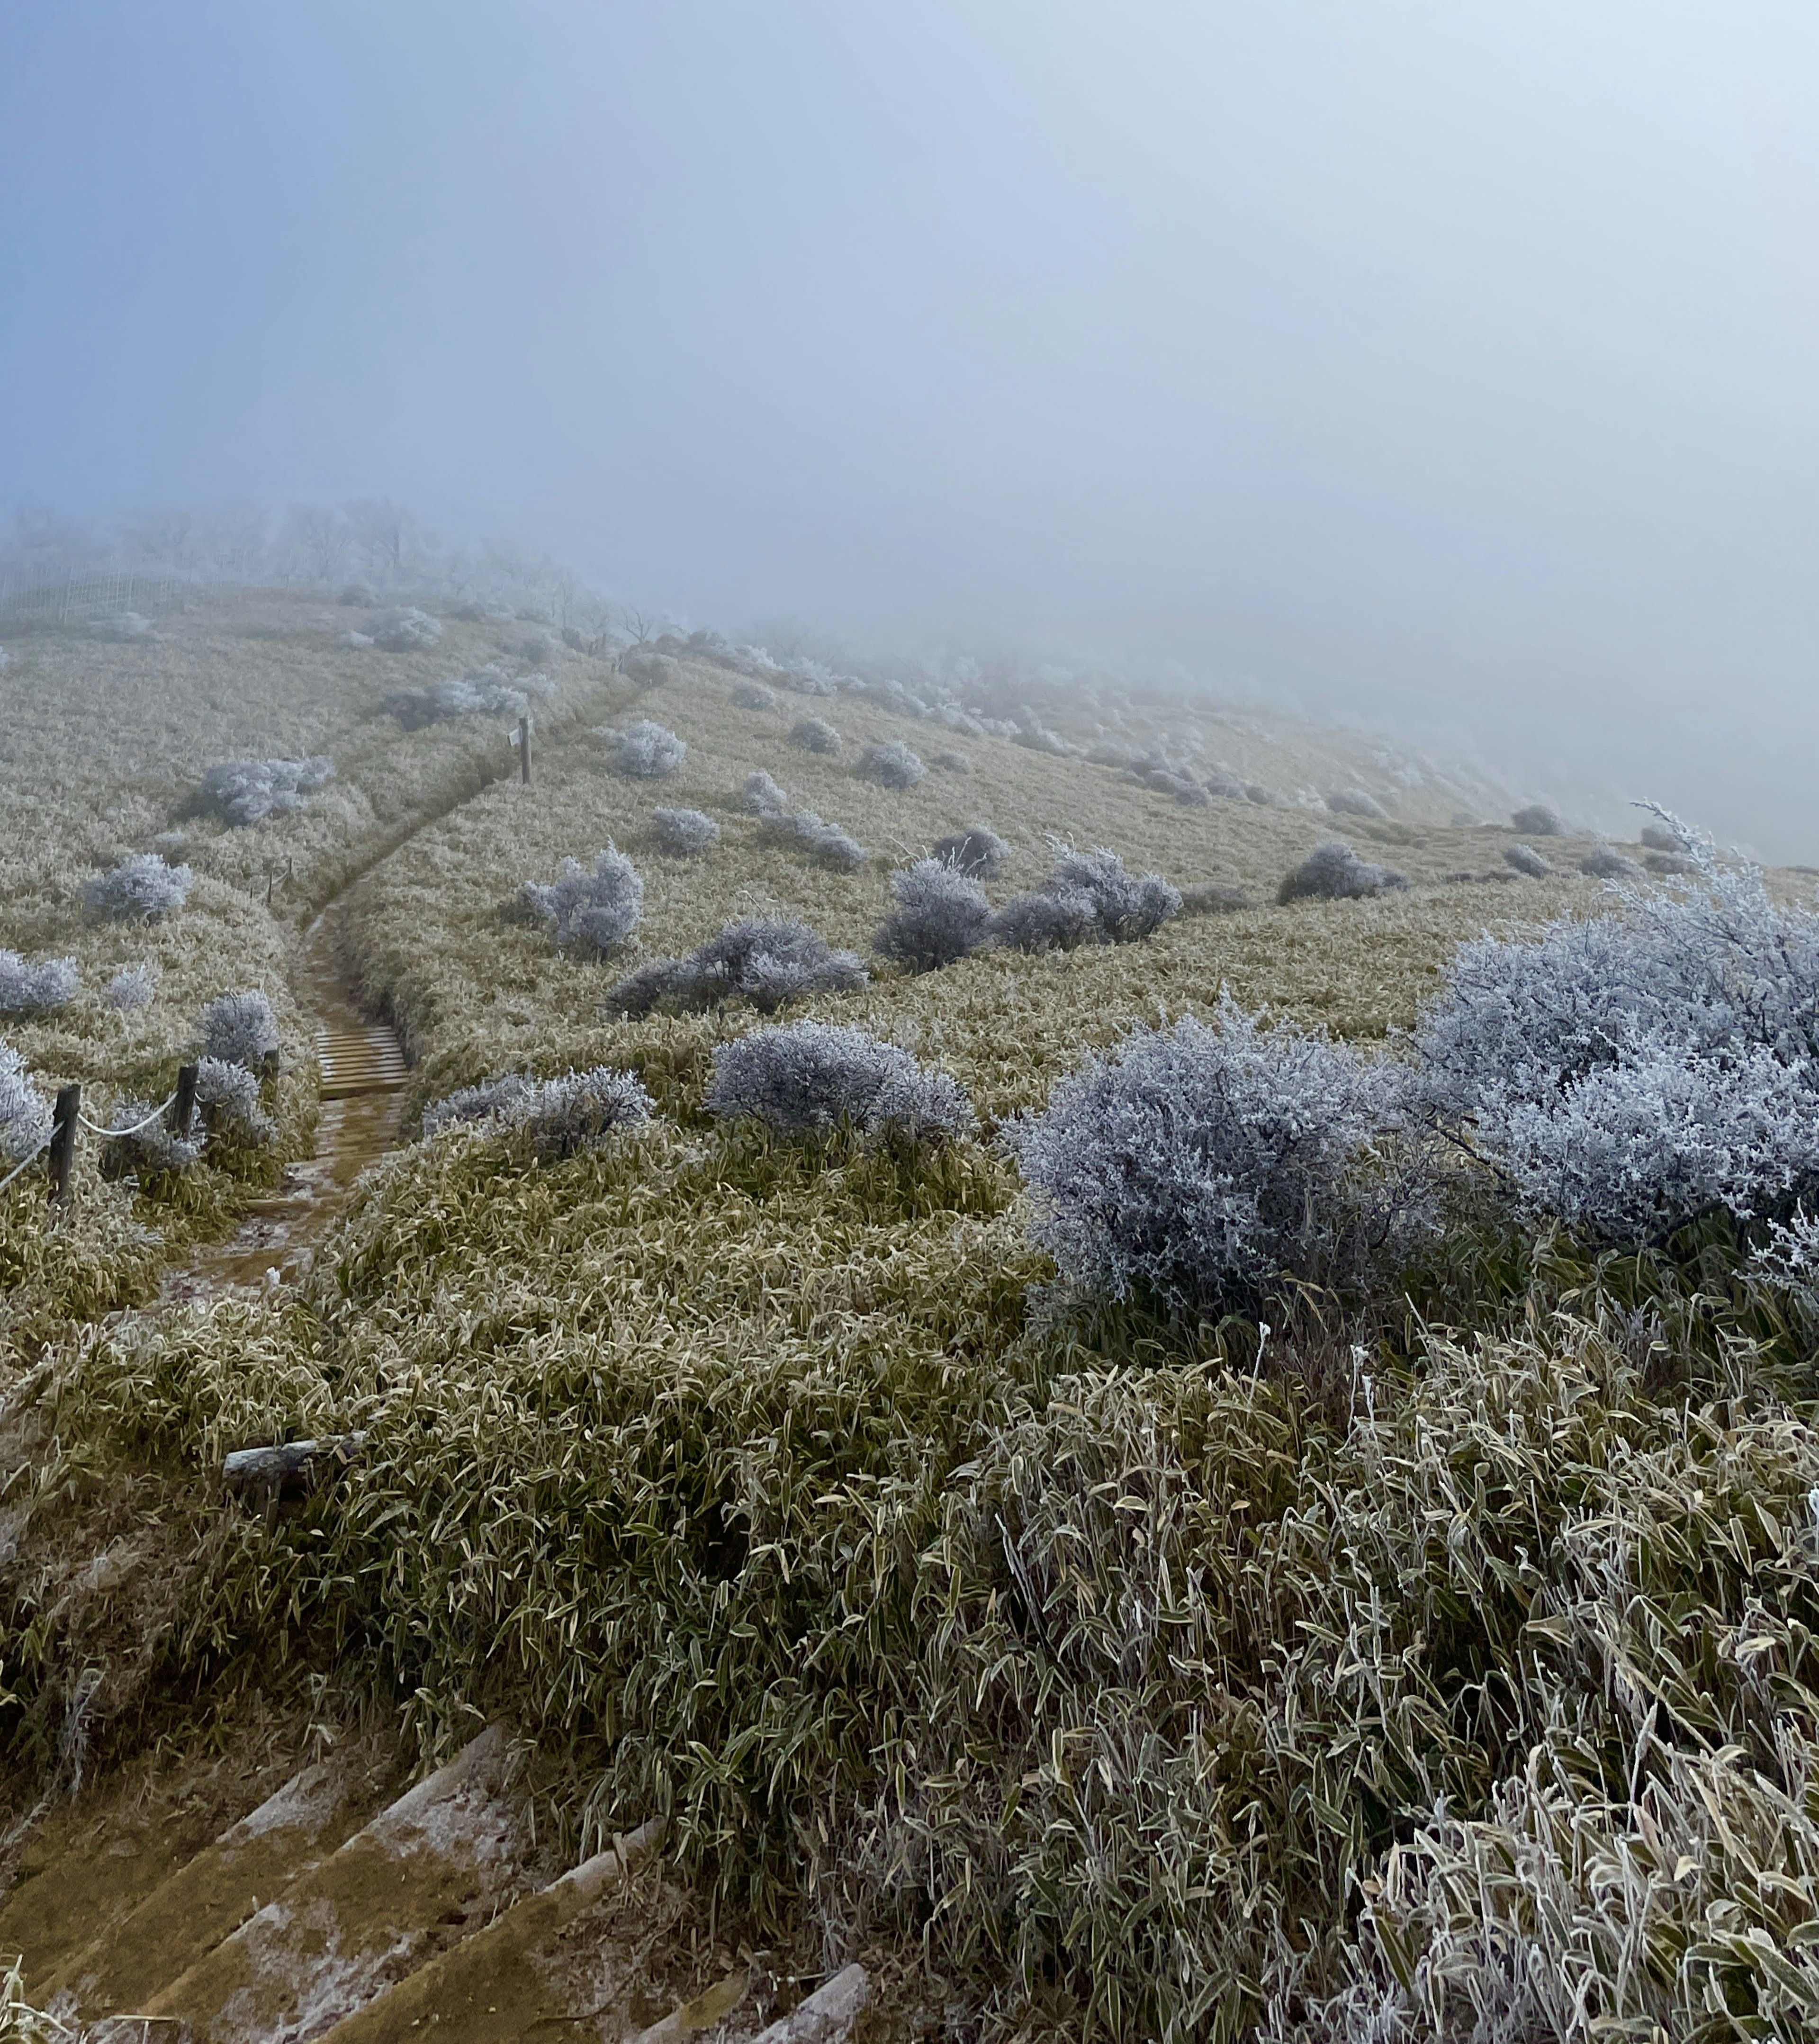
[[827, 2015], [289, 1469]]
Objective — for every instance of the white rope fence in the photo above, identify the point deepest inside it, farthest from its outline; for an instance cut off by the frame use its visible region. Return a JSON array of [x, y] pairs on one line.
[[168, 1099], [59, 1139], [44, 1143]]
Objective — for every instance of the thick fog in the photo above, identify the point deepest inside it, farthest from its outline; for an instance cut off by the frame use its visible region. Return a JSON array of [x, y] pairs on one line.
[[1450, 365]]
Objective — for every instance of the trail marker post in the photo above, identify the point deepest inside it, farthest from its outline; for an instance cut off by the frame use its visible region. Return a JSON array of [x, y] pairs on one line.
[[524, 749], [62, 1139], [184, 1107]]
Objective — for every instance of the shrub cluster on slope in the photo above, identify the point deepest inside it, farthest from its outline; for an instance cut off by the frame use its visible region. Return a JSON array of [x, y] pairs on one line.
[[595, 910], [40, 987], [243, 792], [891, 765], [480, 692], [766, 960], [646, 750], [560, 1116], [1334, 872], [802, 830], [142, 886], [810, 1078], [684, 833], [1088, 898], [977, 851], [941, 916]]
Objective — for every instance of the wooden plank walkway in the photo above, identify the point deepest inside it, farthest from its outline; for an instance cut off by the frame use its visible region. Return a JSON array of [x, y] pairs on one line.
[[359, 1057]]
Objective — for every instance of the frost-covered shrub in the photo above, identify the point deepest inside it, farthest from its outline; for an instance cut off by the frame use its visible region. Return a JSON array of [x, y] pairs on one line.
[[228, 1095], [941, 916], [480, 692], [359, 595], [1538, 821], [1630, 1073], [761, 795], [766, 960], [1126, 906], [1210, 897], [1605, 862], [1525, 858], [36, 986], [891, 765], [561, 1116], [131, 989], [1334, 872], [950, 762], [826, 844], [1671, 862], [239, 1029], [683, 833], [142, 886], [596, 911], [404, 631], [1662, 837], [753, 695], [24, 1112], [1354, 802], [535, 648], [814, 734], [646, 750], [978, 850], [1204, 1164], [247, 791], [147, 1145], [810, 1078], [1043, 921], [651, 671]]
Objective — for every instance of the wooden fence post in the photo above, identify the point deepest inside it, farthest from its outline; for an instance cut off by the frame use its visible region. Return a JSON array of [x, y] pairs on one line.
[[184, 1107], [524, 749], [63, 1138]]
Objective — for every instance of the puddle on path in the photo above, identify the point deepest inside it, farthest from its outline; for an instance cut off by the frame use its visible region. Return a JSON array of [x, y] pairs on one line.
[[362, 1078]]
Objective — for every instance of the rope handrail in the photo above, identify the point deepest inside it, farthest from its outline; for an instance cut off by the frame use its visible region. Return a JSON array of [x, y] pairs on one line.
[[96, 1127], [43, 1144]]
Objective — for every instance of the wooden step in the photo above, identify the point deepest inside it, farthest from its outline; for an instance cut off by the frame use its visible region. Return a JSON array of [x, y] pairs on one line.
[[437, 1864], [368, 1057]]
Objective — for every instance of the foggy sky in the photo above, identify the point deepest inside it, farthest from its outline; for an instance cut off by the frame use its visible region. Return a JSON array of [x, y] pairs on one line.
[[1453, 364]]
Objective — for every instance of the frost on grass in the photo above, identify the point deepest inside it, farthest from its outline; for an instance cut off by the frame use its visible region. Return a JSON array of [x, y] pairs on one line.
[[1538, 821], [1334, 872], [594, 912], [1526, 859], [765, 960], [951, 763], [1090, 897], [1631, 1074], [24, 1112], [941, 916], [1213, 898], [1205, 1164], [247, 791], [404, 630], [891, 765], [826, 844], [36, 986], [814, 734], [560, 1116], [141, 887], [683, 833], [645, 749], [239, 1029], [131, 989], [978, 850], [810, 1078], [759, 795]]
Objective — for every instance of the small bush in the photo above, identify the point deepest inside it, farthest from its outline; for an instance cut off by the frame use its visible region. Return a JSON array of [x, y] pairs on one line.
[[239, 1029], [1671, 862], [141, 887], [247, 791], [595, 911], [977, 851], [560, 1116], [404, 631], [765, 960], [1354, 802], [891, 765], [227, 1093], [1042, 921], [950, 762], [480, 692], [753, 695], [131, 989], [151, 1150], [38, 987], [1525, 858], [1204, 1164], [812, 734], [1538, 821], [1334, 872], [760, 795], [1209, 898], [646, 750], [811, 1077], [941, 916], [683, 833], [1126, 906], [826, 844], [1662, 837], [1605, 862], [649, 669], [24, 1112]]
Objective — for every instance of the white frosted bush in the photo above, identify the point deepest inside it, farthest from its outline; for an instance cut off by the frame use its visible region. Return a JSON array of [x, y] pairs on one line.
[[826, 844], [1606, 863], [239, 1029], [978, 851], [595, 911], [404, 631], [154, 1149], [941, 916], [1204, 1164], [36, 986], [646, 750], [1525, 858], [227, 1094], [1043, 921], [560, 1116], [684, 833], [753, 695], [1334, 872], [1662, 837], [24, 1112], [480, 692], [951, 763], [1633, 1072], [1126, 906], [247, 791], [767, 961], [1354, 802], [131, 989], [760, 795], [814, 734], [1538, 821], [810, 1078], [141, 887], [653, 670], [891, 765]]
